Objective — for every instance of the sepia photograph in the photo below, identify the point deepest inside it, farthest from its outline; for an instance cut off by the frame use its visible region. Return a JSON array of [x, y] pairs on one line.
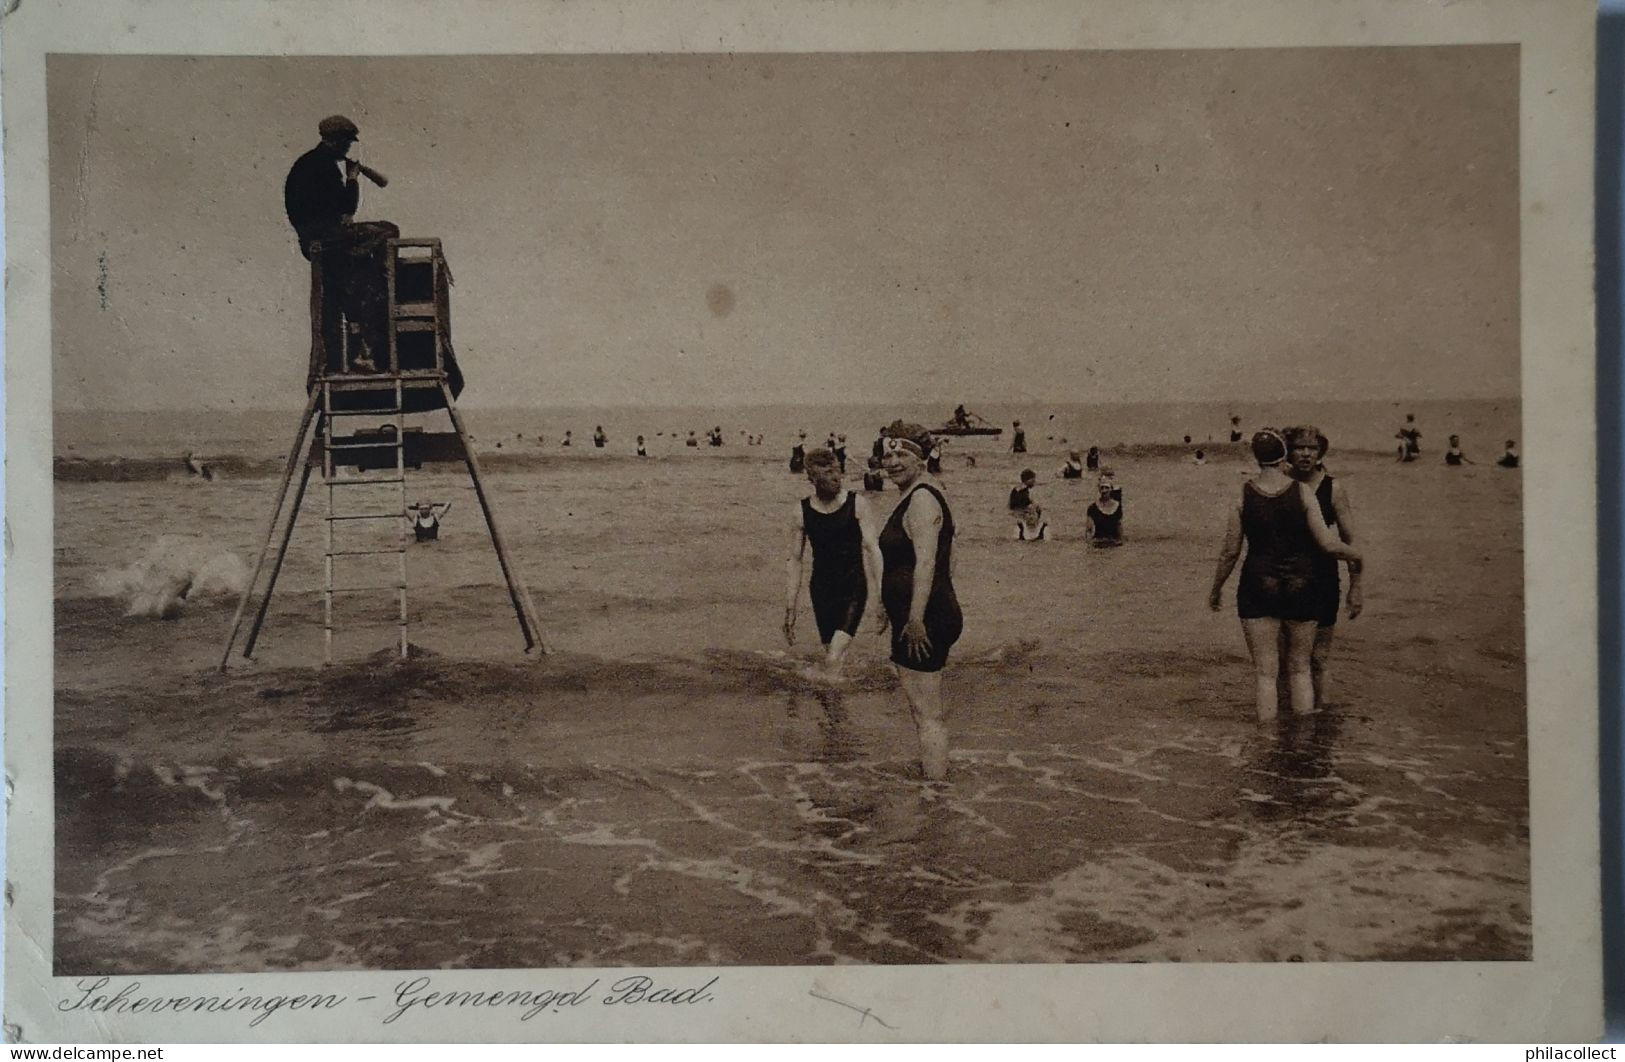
[[1015, 355], [727, 507]]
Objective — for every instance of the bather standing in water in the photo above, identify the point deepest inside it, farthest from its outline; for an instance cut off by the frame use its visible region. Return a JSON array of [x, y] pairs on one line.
[[917, 588], [846, 562], [1279, 521], [1307, 449]]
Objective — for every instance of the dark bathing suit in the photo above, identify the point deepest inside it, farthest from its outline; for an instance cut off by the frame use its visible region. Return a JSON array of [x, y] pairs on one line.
[[798, 457], [426, 532], [1328, 581], [1278, 576], [1108, 526], [837, 586], [943, 620]]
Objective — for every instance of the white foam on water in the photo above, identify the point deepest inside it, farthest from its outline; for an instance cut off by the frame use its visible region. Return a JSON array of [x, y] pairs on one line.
[[379, 797], [174, 570]]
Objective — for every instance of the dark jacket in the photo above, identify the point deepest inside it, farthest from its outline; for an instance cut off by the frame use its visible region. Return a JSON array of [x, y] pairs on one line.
[[317, 196]]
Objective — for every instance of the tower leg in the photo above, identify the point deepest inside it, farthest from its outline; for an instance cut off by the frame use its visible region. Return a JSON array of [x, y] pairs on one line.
[[276, 567], [270, 527], [517, 591]]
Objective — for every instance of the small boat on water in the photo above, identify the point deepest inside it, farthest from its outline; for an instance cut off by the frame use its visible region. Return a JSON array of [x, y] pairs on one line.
[[963, 423]]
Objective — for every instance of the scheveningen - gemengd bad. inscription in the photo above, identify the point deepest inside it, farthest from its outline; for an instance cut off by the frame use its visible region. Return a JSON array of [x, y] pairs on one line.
[[104, 995]]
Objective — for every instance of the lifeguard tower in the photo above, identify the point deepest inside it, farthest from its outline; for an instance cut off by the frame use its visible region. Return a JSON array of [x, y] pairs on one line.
[[364, 470]]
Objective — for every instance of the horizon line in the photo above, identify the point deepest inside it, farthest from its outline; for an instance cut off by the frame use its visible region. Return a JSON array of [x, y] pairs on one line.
[[1240, 402]]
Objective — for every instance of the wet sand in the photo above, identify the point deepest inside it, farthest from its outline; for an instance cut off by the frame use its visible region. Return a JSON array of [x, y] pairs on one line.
[[664, 790]]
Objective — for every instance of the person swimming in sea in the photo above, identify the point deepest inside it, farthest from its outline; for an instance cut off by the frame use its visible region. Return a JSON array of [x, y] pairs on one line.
[[1031, 525], [643, 451], [599, 439], [1021, 497], [1454, 455], [1018, 439], [1235, 429], [1073, 469], [798, 453], [1510, 458], [1091, 460], [566, 440], [846, 563], [197, 469], [1199, 458], [693, 440], [426, 517], [873, 477], [1103, 521], [1410, 439]]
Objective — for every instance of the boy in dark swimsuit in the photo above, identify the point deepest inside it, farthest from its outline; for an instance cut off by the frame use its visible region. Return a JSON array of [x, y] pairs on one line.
[[846, 562]]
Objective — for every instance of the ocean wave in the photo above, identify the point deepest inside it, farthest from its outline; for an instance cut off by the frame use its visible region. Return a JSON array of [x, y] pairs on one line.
[[174, 570]]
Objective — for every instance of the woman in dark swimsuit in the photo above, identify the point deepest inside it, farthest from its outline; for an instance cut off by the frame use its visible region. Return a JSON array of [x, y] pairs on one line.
[[1103, 523], [917, 588], [1280, 522], [846, 561], [1307, 450]]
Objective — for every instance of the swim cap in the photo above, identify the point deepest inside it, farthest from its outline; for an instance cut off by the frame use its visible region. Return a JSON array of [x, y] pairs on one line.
[[917, 436], [1268, 447]]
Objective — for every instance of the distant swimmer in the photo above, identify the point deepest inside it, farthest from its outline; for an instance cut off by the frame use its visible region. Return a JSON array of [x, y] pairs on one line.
[[692, 440], [426, 517], [1018, 439], [846, 561], [1235, 429], [873, 478], [1091, 460], [829, 443], [1306, 449], [917, 589], [1021, 497], [1187, 440], [798, 453], [1073, 469], [1410, 439], [840, 452], [1279, 522], [197, 469], [598, 437], [1510, 458], [714, 436], [1031, 525], [933, 460], [566, 440], [643, 451], [878, 450], [1103, 522], [1454, 455], [1199, 458]]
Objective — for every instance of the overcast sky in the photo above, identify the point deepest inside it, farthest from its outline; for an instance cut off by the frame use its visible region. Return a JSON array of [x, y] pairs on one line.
[[1079, 226]]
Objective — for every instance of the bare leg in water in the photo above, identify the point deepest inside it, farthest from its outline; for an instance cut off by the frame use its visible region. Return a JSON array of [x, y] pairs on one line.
[[1264, 643], [1318, 663], [924, 692]]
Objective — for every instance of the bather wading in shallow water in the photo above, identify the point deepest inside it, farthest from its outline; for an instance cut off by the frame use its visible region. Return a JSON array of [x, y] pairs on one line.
[[846, 563], [917, 588], [1280, 523]]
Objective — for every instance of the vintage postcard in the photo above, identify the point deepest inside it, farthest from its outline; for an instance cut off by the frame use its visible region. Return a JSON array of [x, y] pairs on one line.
[[901, 521]]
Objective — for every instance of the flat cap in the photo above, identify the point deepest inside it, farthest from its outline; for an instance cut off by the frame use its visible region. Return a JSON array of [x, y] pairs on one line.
[[338, 125]]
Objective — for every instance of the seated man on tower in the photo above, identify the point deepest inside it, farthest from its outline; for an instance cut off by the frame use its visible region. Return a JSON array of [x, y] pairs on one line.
[[321, 195]]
